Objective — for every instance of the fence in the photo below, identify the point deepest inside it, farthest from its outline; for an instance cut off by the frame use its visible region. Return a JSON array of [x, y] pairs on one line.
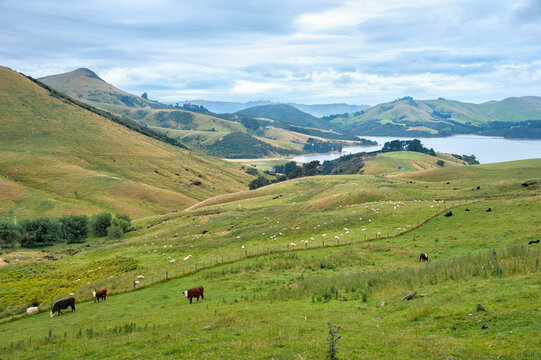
[[127, 282]]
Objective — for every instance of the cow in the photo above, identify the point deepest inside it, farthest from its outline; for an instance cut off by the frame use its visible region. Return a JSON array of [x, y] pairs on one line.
[[489, 209], [450, 213], [468, 209], [534, 242], [99, 294], [62, 305], [195, 292], [423, 257]]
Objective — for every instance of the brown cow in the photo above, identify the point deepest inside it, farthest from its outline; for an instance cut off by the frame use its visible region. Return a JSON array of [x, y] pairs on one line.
[[99, 294], [195, 292], [423, 257]]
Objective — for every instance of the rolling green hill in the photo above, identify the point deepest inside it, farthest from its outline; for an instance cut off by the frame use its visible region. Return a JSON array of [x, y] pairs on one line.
[[273, 280], [285, 113], [409, 117], [58, 157]]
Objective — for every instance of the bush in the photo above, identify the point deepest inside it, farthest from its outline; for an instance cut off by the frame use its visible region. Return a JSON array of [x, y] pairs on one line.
[[74, 228], [259, 182], [440, 163], [41, 231], [114, 232], [332, 341], [99, 224], [123, 224], [10, 234], [124, 217]]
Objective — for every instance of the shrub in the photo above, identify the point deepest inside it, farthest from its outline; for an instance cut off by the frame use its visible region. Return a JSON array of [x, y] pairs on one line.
[[74, 228], [41, 231], [332, 341], [124, 217], [10, 234], [99, 224], [114, 232], [440, 163], [123, 224]]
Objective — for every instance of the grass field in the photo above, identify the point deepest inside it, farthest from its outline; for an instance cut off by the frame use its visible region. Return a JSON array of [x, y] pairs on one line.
[[272, 299], [58, 158]]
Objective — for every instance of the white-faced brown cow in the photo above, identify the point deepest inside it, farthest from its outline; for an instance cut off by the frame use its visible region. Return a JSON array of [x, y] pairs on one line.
[[423, 257], [195, 292], [99, 294]]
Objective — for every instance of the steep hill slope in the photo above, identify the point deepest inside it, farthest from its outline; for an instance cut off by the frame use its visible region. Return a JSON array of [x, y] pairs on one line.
[[85, 85], [57, 157], [409, 117]]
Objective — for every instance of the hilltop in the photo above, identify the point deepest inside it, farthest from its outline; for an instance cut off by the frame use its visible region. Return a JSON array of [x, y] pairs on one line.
[[287, 114], [409, 117], [59, 156]]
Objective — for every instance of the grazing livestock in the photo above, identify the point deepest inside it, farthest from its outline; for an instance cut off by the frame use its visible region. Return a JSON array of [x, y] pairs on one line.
[[62, 305], [423, 257], [187, 257], [195, 292], [99, 294], [489, 209], [468, 209], [450, 213], [32, 310], [534, 242]]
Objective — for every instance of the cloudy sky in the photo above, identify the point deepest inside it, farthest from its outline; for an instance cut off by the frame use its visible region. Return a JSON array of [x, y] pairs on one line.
[[310, 51]]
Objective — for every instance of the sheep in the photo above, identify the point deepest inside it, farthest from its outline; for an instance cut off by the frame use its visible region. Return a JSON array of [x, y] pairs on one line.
[[140, 277], [71, 294], [136, 282], [172, 261], [32, 310], [77, 280], [187, 257], [324, 235], [242, 247], [292, 244]]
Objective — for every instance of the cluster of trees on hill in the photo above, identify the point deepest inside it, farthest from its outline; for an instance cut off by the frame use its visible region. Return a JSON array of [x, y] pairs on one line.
[[349, 164], [240, 145], [470, 159], [194, 108], [317, 146], [71, 229], [407, 145]]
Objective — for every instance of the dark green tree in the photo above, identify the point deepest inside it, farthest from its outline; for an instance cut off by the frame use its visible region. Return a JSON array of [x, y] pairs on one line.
[[99, 224], [74, 228], [10, 234]]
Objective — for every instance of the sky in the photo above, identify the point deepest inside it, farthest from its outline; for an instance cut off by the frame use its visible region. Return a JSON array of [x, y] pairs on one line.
[[306, 51]]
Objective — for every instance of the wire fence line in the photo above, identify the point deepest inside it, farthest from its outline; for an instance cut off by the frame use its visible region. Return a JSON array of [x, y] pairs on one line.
[[142, 278]]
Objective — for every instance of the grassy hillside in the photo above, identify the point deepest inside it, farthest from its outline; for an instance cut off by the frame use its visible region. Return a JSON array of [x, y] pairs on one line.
[[287, 114], [60, 158], [85, 85], [272, 299], [409, 117]]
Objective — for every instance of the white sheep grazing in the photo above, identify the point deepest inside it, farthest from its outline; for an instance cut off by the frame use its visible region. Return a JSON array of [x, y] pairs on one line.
[[337, 237], [77, 280], [71, 294], [306, 241], [242, 247], [32, 310], [292, 244], [312, 239], [324, 235], [136, 282], [187, 257], [140, 277], [172, 261]]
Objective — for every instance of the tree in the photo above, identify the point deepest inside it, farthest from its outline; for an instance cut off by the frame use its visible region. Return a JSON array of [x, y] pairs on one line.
[[99, 224], [41, 231], [114, 232], [290, 167], [10, 234], [74, 228], [259, 182], [310, 168], [124, 217], [123, 224], [440, 163], [144, 96]]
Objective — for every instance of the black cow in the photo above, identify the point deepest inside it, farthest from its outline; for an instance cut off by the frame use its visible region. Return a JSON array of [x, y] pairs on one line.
[[534, 242], [468, 209], [62, 305], [489, 209], [450, 213], [195, 292]]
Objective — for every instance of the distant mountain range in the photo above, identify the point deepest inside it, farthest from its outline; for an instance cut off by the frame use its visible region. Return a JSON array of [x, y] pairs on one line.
[[317, 110]]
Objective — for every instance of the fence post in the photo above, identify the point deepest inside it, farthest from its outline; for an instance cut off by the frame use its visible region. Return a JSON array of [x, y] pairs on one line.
[[134, 285], [166, 275]]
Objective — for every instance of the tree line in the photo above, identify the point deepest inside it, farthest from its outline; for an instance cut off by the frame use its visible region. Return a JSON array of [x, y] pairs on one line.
[[47, 230]]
